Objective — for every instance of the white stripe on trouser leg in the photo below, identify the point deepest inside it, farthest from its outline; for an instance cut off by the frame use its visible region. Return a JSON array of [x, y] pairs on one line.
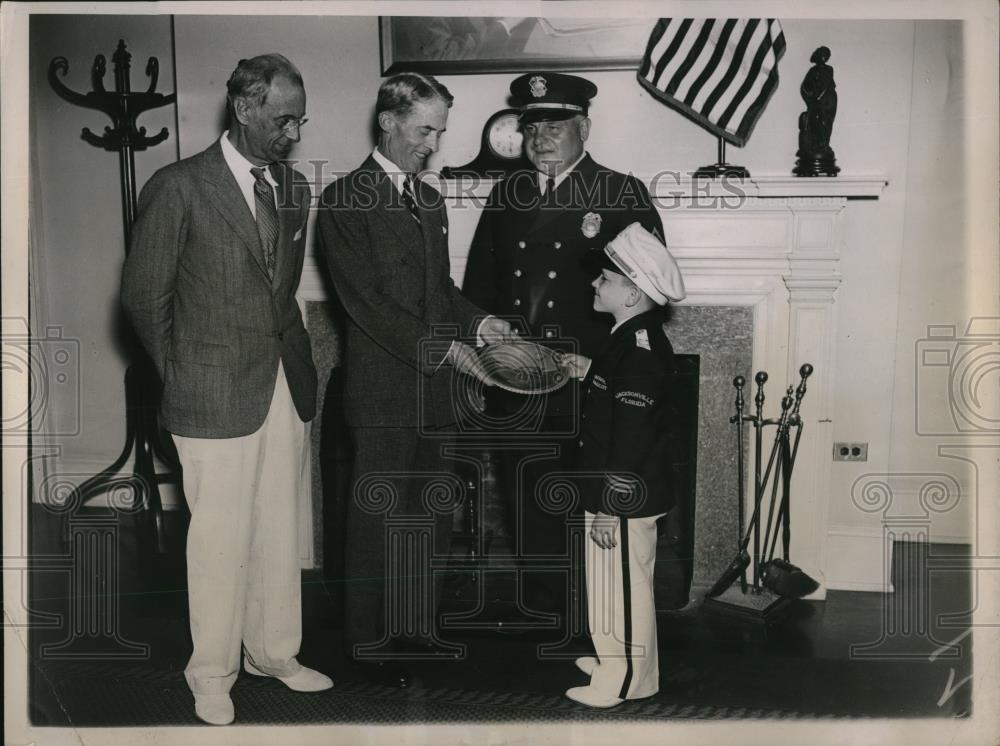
[[622, 614], [242, 546]]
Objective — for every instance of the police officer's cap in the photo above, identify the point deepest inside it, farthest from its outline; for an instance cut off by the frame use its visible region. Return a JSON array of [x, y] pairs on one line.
[[543, 96]]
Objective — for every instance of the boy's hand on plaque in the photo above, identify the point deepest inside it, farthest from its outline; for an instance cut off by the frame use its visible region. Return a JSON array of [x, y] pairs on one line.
[[574, 365]]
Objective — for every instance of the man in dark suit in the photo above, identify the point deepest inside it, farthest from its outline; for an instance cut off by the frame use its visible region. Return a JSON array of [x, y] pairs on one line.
[[525, 265], [384, 234], [209, 285]]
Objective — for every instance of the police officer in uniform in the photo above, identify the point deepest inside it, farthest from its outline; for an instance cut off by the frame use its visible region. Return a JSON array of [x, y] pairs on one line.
[[525, 265], [624, 464]]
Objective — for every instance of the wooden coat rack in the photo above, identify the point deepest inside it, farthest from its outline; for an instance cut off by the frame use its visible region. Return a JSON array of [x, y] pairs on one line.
[[143, 436]]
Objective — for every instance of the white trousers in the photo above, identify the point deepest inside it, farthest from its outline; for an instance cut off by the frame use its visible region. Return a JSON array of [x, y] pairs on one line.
[[621, 611], [244, 580]]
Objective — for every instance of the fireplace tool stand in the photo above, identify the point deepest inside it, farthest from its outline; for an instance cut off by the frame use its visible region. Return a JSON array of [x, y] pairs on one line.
[[773, 581]]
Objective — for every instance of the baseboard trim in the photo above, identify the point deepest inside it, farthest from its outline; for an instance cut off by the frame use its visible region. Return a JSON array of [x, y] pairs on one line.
[[950, 539], [879, 587], [950, 524], [60, 472], [857, 559]]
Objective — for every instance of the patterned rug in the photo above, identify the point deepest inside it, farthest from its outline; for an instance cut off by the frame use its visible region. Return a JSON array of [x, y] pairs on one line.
[[121, 694]]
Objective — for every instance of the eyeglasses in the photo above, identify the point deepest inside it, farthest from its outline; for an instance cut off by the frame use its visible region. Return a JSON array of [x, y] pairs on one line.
[[293, 124]]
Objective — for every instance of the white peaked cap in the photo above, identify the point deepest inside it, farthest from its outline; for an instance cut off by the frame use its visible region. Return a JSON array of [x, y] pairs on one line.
[[643, 258]]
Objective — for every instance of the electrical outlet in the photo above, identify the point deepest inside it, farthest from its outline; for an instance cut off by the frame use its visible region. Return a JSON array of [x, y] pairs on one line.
[[850, 451]]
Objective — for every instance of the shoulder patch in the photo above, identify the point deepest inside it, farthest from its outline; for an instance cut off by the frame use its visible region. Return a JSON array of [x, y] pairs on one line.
[[642, 339]]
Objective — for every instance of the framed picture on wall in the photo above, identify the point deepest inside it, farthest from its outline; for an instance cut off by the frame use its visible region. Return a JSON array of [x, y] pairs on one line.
[[445, 45]]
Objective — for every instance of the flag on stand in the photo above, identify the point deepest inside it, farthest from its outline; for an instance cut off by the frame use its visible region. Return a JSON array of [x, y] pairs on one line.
[[718, 72]]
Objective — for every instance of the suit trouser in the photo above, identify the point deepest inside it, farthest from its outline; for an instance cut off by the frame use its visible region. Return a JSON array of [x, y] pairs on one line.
[[538, 526], [621, 610], [244, 579], [397, 518]]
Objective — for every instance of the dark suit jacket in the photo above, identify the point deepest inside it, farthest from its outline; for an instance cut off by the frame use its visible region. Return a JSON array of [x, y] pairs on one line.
[[626, 429], [525, 260], [392, 276], [197, 292]]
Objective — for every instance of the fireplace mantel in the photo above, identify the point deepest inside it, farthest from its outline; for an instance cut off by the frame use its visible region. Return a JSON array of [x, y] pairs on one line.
[[770, 242]]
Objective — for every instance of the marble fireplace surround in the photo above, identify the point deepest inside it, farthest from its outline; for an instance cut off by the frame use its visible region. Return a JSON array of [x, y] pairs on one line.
[[771, 244]]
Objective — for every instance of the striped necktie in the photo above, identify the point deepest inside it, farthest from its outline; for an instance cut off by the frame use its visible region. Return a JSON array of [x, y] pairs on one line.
[[267, 217], [411, 203]]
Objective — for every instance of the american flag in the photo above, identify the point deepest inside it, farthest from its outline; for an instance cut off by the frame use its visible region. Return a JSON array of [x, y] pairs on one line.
[[718, 72]]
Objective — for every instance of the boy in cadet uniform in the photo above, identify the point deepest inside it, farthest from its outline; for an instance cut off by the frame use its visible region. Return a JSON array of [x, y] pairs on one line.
[[624, 436]]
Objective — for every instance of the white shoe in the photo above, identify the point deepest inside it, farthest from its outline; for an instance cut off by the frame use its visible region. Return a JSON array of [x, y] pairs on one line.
[[587, 695], [303, 680], [587, 664], [214, 709]]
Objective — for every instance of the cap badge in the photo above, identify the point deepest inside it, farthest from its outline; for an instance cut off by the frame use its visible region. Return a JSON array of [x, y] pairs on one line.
[[591, 224], [538, 86]]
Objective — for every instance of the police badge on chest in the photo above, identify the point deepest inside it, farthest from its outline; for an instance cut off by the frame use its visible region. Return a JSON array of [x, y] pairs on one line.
[[591, 225]]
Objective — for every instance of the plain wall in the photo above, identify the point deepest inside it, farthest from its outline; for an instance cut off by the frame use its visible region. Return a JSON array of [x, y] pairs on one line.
[[932, 271]]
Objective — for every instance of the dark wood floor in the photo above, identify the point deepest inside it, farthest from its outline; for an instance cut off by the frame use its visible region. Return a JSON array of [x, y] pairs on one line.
[[853, 655]]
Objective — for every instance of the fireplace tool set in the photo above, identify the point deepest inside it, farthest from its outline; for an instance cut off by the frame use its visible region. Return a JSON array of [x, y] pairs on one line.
[[772, 578]]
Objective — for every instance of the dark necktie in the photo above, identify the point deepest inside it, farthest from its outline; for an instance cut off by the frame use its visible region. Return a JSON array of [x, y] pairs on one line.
[[550, 192], [267, 217], [411, 203]]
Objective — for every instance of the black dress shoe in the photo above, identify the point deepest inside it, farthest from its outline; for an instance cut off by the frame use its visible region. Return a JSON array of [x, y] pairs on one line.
[[385, 673]]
